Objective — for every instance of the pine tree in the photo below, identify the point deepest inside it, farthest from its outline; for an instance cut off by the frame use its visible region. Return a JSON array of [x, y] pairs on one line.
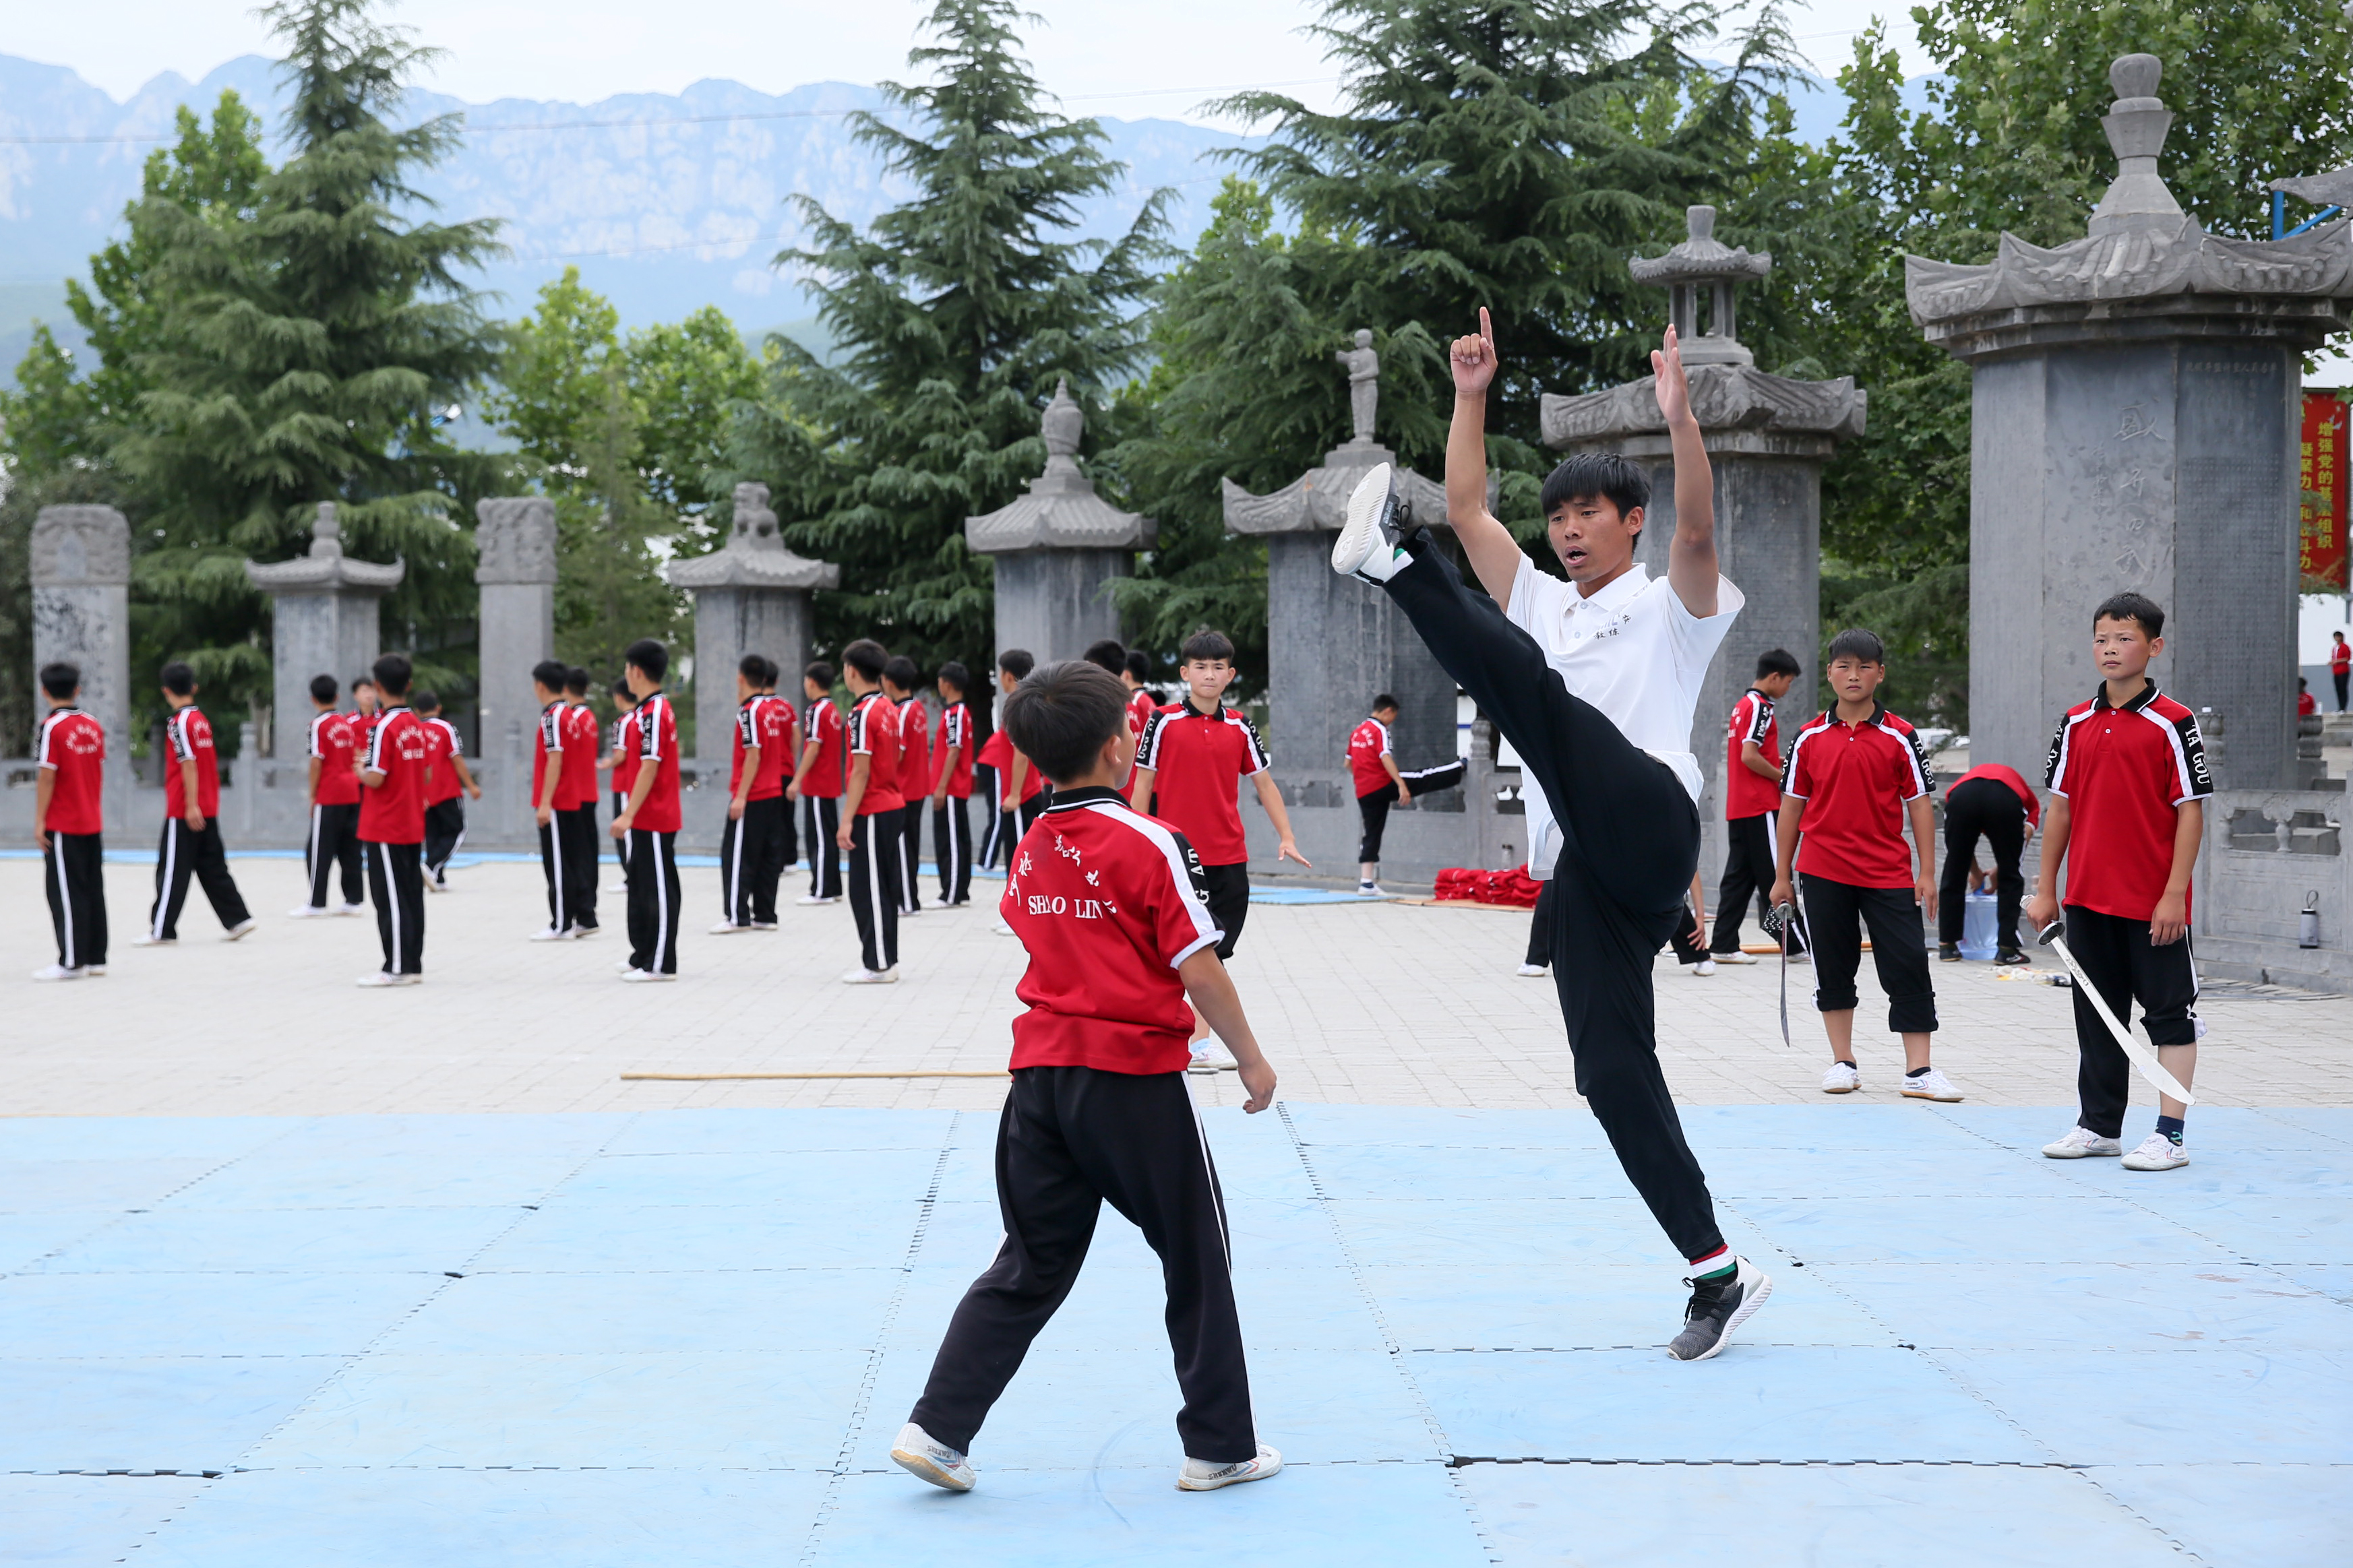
[[952, 316]]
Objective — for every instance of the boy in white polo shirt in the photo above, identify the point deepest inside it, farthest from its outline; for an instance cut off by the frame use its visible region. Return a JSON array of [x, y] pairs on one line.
[[1593, 681]]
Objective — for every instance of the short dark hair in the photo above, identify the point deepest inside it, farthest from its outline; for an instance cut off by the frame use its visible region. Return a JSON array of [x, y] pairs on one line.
[[1204, 645], [393, 674], [59, 679], [575, 681], [1384, 700], [1776, 661], [957, 675], [621, 693], [1016, 662], [1139, 665], [550, 674], [649, 656], [1060, 716], [821, 672], [752, 667], [425, 701], [1109, 654], [1856, 643], [323, 689], [1617, 479], [902, 673], [360, 680], [868, 657], [2131, 607], [178, 678]]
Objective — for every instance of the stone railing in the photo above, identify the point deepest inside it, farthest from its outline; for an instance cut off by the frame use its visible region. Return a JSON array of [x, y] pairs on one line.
[[2269, 855]]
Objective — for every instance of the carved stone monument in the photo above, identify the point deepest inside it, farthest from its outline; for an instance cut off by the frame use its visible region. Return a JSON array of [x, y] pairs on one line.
[[514, 570], [2134, 425], [750, 596], [1058, 548], [82, 615], [1767, 439], [324, 608]]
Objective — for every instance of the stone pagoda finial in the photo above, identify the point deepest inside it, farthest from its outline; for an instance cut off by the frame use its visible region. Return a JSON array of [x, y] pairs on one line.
[[1702, 261], [1061, 510], [755, 555], [2136, 123], [1062, 423], [324, 568]]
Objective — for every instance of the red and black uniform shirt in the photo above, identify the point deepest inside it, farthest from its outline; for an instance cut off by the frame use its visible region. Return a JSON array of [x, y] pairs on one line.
[[1196, 759], [578, 787], [955, 730], [874, 734], [72, 745], [1141, 706], [393, 811], [1747, 793], [2126, 773], [551, 742], [776, 730], [996, 751], [1109, 902], [335, 740], [657, 749], [2010, 777], [188, 737], [441, 744], [828, 774], [625, 752], [745, 735], [914, 750], [1367, 746], [1856, 780]]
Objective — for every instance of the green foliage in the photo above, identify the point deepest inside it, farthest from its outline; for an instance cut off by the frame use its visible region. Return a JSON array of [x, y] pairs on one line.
[[953, 315]]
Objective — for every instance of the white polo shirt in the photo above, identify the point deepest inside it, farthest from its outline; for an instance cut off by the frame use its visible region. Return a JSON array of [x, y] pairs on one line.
[[1632, 650]]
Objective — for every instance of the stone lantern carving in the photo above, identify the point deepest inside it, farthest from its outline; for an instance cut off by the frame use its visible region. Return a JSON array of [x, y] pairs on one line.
[[324, 608], [751, 595]]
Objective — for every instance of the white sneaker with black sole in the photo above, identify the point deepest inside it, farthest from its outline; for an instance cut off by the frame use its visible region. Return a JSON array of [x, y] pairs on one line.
[[1717, 1307], [2081, 1143], [1930, 1085], [1370, 546], [1202, 1476], [1844, 1078], [915, 1452], [2157, 1153]]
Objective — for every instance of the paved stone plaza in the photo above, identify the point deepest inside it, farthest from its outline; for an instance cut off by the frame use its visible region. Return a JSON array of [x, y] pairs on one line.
[[274, 1290]]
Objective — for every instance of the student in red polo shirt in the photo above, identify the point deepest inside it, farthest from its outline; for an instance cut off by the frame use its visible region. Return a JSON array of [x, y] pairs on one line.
[[750, 845], [1854, 773], [1372, 763], [448, 782], [818, 783], [69, 763], [1109, 902], [952, 788], [649, 821], [780, 750], [874, 808], [333, 745], [1993, 803], [392, 827], [549, 799], [1752, 793], [191, 836], [622, 762], [577, 820], [900, 678], [1010, 816], [2128, 783], [1136, 672]]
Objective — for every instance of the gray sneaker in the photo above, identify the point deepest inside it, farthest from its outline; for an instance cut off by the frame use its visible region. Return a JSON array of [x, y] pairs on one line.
[[1718, 1307]]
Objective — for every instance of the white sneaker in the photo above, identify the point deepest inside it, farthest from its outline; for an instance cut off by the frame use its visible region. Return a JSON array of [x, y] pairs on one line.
[[1211, 1057], [914, 1452], [582, 933], [1377, 521], [93, 970], [59, 972], [2079, 1142], [434, 885], [1532, 972], [380, 981], [1704, 968], [1734, 956], [2157, 1153], [862, 976], [1001, 929], [354, 910], [307, 912], [1201, 1476], [243, 929], [1370, 890], [907, 912], [549, 933], [763, 925], [1930, 1085], [149, 939], [1845, 1078], [813, 899], [728, 928], [646, 977]]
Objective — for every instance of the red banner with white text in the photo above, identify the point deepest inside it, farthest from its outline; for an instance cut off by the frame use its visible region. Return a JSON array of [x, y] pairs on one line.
[[2321, 476]]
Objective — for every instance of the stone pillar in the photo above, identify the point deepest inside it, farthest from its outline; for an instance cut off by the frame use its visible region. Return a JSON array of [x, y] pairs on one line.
[[1058, 548], [750, 596], [1769, 438], [514, 545], [82, 615], [2134, 425], [324, 622]]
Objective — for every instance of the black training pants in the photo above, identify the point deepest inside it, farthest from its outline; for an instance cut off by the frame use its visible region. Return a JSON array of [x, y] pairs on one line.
[[1630, 841], [1836, 915], [1685, 939], [910, 852], [576, 829], [186, 853], [2341, 680], [561, 884], [1373, 814], [73, 867], [820, 820], [653, 901], [1229, 890], [751, 861], [445, 829], [335, 843], [874, 887], [987, 790], [952, 848], [621, 845], [2121, 963], [1070, 1138], [396, 885], [1993, 808], [1747, 879]]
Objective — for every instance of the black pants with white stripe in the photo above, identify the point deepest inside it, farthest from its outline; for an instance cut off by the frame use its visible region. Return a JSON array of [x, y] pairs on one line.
[[874, 887], [334, 844], [1070, 1138], [653, 901], [751, 860], [186, 853], [1748, 880], [396, 884], [910, 852], [445, 829], [952, 848], [73, 868], [986, 789], [1631, 840], [576, 829], [2125, 966], [621, 845], [820, 820], [561, 883]]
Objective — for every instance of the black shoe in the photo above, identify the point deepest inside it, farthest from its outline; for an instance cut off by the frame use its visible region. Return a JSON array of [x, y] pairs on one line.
[[1718, 1307], [2010, 955], [1950, 951]]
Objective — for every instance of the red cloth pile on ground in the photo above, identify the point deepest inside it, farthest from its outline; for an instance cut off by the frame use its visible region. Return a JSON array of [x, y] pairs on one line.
[[1514, 887]]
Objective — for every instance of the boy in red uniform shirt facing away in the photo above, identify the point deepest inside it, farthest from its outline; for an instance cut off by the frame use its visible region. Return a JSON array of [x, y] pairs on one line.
[[1752, 793], [392, 827], [2128, 783], [333, 743], [447, 783], [900, 678], [818, 782], [1854, 774], [751, 847], [578, 800], [1372, 763], [623, 761], [1009, 812], [952, 788], [780, 751], [875, 809], [648, 821], [191, 836], [69, 757], [1135, 672], [1109, 904]]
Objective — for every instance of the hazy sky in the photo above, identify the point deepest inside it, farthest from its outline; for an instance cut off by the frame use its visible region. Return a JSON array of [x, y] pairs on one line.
[[1104, 57]]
